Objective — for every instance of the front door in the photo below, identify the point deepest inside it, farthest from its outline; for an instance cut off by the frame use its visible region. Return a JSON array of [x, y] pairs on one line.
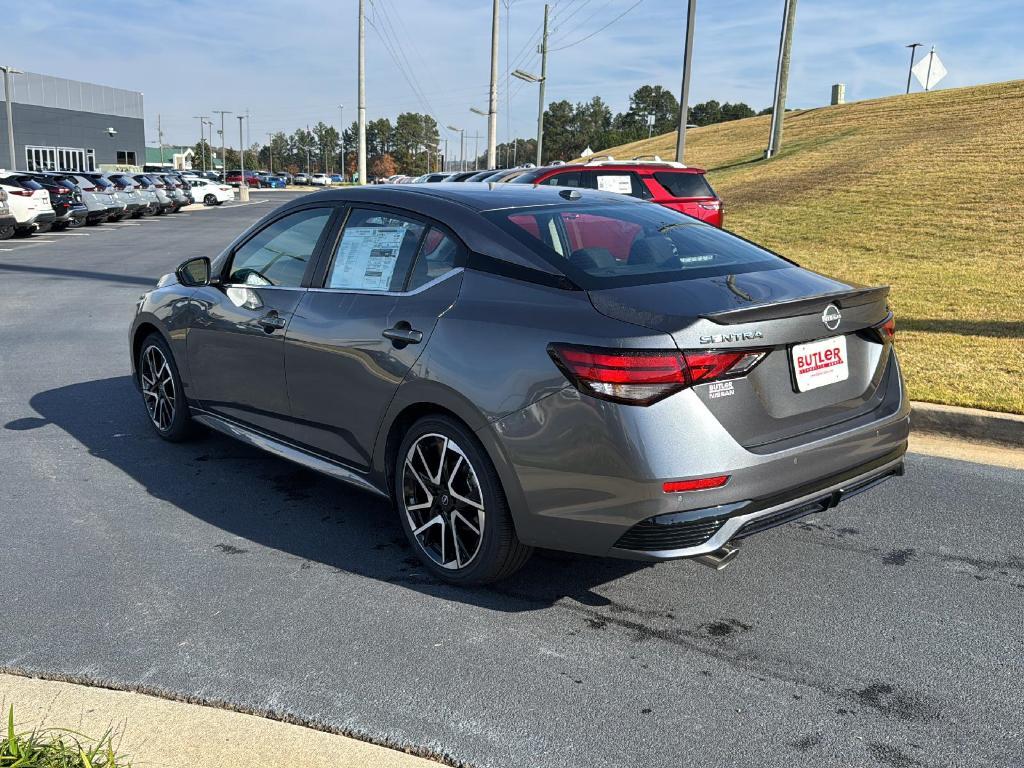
[[353, 340], [236, 341]]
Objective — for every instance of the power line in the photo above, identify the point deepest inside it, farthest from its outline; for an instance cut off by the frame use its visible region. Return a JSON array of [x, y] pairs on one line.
[[598, 31]]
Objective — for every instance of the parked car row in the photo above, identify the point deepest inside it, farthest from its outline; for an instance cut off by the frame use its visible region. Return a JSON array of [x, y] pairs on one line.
[[670, 184], [55, 200]]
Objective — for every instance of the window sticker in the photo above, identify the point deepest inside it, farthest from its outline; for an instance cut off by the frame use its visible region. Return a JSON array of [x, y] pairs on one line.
[[618, 183], [367, 257]]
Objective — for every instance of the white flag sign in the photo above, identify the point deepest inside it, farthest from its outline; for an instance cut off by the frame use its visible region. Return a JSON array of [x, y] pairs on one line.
[[929, 71]]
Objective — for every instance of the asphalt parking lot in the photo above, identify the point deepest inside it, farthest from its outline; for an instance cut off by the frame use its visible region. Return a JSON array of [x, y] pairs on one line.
[[886, 632]]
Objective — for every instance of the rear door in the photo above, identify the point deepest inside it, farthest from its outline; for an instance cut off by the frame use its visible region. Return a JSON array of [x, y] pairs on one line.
[[236, 341], [357, 333]]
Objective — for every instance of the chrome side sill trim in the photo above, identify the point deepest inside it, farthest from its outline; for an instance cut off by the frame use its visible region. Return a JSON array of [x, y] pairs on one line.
[[285, 451]]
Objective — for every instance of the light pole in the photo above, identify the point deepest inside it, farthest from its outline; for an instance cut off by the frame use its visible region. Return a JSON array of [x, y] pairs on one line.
[[913, 50], [531, 78], [491, 162], [223, 142], [202, 137], [270, 150], [8, 71], [462, 146], [362, 92], [243, 186]]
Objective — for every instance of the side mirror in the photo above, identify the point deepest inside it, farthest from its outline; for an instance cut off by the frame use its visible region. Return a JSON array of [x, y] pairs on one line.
[[195, 272]]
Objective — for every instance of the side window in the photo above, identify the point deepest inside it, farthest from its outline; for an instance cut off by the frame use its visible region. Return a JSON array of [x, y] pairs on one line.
[[438, 254], [564, 180], [279, 253], [621, 182], [375, 252]]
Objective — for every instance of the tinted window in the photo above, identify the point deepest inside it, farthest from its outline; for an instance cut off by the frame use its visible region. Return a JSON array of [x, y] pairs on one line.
[[607, 245], [573, 179], [684, 184], [621, 182], [279, 253], [438, 254], [375, 251]]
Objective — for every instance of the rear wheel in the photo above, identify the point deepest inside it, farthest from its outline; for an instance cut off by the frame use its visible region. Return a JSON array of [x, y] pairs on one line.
[[6, 231], [210, 199], [58, 226], [452, 505], [162, 392]]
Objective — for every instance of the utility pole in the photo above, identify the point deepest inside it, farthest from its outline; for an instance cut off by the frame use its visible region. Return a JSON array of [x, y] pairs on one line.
[[476, 151], [781, 80], [543, 82], [270, 150], [243, 186], [8, 71], [928, 76], [684, 96], [248, 134], [910, 72], [462, 145], [362, 91], [492, 107], [223, 143], [202, 136]]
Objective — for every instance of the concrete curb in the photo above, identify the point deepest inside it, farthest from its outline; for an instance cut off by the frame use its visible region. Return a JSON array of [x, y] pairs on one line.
[[151, 731], [970, 423]]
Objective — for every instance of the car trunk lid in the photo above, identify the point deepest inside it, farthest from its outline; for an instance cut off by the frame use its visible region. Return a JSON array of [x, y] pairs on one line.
[[774, 311]]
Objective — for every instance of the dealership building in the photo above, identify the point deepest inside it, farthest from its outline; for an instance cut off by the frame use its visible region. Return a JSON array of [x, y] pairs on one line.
[[66, 125]]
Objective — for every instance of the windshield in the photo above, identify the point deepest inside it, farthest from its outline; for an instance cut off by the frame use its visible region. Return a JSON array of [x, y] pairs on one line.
[[608, 245]]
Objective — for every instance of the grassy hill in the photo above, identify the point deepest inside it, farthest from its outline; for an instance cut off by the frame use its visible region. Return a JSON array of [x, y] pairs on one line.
[[923, 192]]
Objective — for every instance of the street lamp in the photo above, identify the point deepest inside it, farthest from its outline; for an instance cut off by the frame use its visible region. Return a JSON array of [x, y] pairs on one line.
[[529, 77], [341, 127], [462, 145], [8, 71], [482, 113], [913, 50]]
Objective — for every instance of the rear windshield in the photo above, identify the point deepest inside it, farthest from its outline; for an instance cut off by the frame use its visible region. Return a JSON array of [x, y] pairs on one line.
[[684, 184], [609, 245], [25, 182]]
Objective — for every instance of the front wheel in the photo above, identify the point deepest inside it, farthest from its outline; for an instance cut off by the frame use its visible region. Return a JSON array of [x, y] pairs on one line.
[[6, 231], [210, 199], [162, 391], [452, 506]]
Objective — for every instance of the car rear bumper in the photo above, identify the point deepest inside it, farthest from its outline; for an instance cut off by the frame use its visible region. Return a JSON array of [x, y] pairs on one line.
[[587, 476]]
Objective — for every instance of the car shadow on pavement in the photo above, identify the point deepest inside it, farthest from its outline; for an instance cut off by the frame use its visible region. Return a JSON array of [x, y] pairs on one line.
[[274, 503]]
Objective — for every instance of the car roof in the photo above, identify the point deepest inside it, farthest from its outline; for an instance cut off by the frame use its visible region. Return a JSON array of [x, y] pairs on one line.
[[477, 195], [621, 165]]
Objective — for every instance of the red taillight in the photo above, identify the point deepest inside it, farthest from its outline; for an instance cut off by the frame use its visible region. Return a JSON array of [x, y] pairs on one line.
[[63, 191], [159, 186], [711, 205], [20, 192], [887, 328], [699, 484], [225, 189], [642, 377]]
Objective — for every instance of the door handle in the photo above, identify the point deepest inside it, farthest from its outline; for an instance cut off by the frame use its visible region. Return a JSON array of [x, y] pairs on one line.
[[403, 334], [272, 322]]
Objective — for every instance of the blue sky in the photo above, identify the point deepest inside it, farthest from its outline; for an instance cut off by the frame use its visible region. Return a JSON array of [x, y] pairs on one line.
[[292, 62]]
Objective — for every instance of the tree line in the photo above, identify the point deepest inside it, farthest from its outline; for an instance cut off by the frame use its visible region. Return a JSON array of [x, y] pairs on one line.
[[412, 144]]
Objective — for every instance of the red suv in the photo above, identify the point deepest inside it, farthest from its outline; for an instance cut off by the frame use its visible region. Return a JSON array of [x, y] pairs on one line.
[[673, 185], [234, 178]]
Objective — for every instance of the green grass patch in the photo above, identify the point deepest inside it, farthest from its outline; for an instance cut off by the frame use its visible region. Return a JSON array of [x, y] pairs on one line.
[[922, 192], [56, 748]]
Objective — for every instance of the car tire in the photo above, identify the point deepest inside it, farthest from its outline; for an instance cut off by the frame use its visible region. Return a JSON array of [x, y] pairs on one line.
[[76, 223], [58, 226], [23, 231], [163, 395], [7, 231], [465, 535], [210, 200]]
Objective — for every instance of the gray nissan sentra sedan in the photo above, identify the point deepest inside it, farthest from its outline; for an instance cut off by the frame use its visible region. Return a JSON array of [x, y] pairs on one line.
[[519, 367]]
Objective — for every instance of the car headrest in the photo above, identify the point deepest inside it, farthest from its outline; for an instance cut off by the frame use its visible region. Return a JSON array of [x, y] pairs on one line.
[[589, 259], [655, 249]]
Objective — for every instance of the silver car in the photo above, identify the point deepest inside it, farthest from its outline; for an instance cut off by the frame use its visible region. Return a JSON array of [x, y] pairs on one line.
[[519, 367], [98, 198]]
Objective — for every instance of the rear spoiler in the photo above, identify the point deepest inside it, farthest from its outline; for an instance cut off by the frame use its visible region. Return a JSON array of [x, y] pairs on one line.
[[803, 306]]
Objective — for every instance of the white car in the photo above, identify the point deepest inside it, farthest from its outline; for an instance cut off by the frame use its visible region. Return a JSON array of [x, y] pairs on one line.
[[210, 192], [29, 202], [320, 180]]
